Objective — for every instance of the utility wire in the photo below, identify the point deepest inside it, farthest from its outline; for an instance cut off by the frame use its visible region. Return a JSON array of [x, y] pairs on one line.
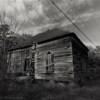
[[65, 15]]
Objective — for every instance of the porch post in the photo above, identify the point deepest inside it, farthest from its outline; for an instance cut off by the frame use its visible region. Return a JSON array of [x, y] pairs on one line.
[[33, 61]]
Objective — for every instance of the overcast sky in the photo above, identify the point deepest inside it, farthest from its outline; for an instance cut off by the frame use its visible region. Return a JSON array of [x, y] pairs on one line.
[[35, 16]]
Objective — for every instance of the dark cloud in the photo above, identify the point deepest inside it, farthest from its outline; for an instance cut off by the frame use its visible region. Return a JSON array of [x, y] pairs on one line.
[[39, 15]]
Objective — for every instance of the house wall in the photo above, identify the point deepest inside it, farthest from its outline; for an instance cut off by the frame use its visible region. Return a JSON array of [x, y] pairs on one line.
[[61, 62], [16, 60], [80, 58], [62, 59]]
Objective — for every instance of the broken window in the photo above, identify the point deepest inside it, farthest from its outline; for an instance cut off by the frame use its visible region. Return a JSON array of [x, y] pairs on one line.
[[50, 62], [26, 65]]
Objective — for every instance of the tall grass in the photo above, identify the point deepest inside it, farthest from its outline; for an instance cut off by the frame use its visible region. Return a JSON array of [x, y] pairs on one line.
[[26, 90]]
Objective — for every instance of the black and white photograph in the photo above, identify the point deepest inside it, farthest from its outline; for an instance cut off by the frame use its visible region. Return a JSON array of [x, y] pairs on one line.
[[49, 49]]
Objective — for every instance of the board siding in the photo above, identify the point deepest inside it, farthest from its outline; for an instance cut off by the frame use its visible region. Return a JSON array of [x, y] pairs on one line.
[[17, 60], [80, 58], [63, 60]]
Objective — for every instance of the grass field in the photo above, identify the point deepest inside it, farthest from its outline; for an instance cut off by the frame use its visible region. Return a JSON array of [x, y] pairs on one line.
[[25, 90]]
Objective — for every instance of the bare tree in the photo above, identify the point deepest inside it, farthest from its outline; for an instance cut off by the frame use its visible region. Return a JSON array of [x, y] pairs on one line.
[[11, 21], [8, 26], [3, 30]]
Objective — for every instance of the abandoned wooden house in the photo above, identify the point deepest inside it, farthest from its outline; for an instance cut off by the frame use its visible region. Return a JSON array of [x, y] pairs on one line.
[[54, 55]]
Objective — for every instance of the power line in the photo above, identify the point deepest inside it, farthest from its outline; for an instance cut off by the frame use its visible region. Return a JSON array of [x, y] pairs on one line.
[[71, 21]]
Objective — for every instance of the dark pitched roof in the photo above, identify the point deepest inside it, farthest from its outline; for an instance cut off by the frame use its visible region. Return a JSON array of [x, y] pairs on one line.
[[49, 36], [23, 45]]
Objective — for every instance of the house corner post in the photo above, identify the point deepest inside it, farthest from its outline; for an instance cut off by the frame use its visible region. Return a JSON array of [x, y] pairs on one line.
[[33, 61]]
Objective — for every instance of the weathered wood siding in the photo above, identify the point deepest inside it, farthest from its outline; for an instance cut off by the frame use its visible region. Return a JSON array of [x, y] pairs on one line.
[[62, 60], [16, 60], [80, 58]]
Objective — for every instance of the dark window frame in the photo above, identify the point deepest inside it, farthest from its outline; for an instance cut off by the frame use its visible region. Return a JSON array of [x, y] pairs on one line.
[[50, 63], [26, 64]]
